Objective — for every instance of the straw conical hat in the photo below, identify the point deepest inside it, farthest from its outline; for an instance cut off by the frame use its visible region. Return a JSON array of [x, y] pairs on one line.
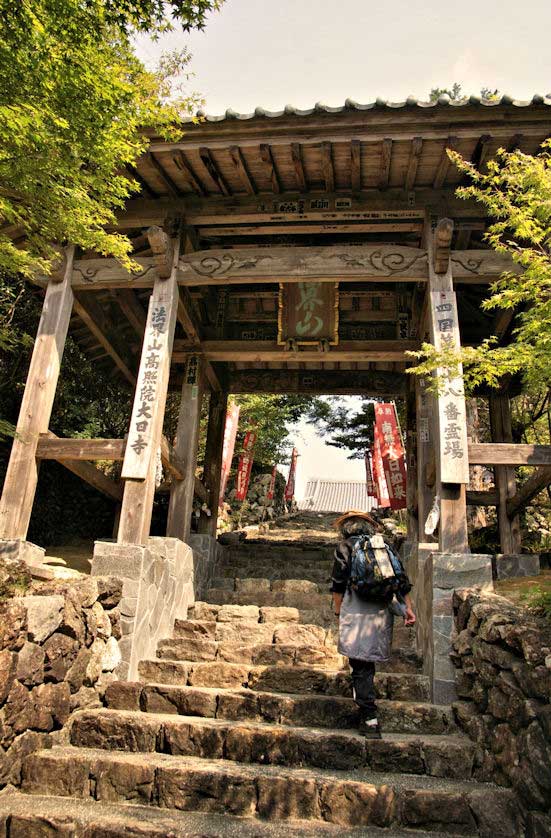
[[355, 513]]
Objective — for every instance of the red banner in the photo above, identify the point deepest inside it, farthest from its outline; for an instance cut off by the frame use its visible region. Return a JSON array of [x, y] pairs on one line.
[[290, 487], [230, 433], [379, 478], [370, 483], [392, 454], [271, 488], [245, 465]]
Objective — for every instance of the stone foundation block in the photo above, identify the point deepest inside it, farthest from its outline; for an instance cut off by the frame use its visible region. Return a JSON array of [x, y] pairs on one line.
[[23, 551]]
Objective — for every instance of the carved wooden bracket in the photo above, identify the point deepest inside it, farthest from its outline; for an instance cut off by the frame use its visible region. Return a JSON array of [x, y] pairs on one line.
[[442, 241], [162, 248]]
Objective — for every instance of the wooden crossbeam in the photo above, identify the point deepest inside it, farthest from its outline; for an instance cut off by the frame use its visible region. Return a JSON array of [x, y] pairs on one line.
[[163, 174], [533, 486], [255, 351], [296, 157], [509, 454], [304, 228], [268, 160], [95, 318], [131, 309], [327, 167], [355, 165], [482, 498], [241, 169], [181, 161], [445, 163], [212, 169], [415, 154]]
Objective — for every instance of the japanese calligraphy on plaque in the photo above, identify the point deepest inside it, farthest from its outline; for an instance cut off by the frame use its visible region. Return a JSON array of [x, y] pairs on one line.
[[156, 340], [452, 418], [309, 312]]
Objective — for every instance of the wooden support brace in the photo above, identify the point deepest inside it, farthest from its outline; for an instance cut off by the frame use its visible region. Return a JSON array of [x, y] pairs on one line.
[[268, 160], [95, 318], [74, 455], [210, 165], [241, 168], [296, 156], [213, 459], [36, 407], [539, 481]]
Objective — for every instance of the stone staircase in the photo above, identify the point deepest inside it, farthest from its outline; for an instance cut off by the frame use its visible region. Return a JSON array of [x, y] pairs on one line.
[[244, 725]]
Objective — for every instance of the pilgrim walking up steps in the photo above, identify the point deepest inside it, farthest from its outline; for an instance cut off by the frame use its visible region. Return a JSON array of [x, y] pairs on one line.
[[244, 724]]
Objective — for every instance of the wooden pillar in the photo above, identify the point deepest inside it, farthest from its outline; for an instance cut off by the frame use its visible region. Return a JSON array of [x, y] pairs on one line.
[[146, 424], [450, 415], [411, 459], [180, 507], [36, 408], [213, 459], [426, 477], [500, 421]]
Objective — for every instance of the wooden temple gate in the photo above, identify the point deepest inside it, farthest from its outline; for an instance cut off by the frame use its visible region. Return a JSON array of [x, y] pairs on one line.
[[235, 221]]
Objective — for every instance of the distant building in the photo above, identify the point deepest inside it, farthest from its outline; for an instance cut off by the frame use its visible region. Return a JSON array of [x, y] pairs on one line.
[[335, 496]]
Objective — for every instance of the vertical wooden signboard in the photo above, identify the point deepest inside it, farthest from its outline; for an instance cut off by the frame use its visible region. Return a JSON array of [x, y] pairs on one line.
[[452, 424]]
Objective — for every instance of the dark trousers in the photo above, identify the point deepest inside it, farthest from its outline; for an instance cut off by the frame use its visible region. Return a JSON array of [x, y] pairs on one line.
[[363, 674]]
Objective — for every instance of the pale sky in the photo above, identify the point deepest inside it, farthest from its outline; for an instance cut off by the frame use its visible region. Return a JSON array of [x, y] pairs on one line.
[[277, 52]]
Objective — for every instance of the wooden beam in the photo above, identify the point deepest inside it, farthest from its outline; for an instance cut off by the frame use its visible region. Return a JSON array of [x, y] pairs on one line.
[[132, 309], [241, 169], [213, 459], [355, 166], [257, 351], [529, 490], [445, 163], [36, 406], [442, 239], [181, 161], [95, 318], [415, 154], [482, 498], [95, 478], [185, 445], [163, 175], [212, 169], [268, 160], [296, 157], [509, 454], [384, 263], [318, 381], [52, 447], [304, 229], [327, 167]]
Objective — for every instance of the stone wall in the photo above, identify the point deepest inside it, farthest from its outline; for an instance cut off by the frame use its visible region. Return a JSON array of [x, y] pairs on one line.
[[157, 587], [437, 576], [503, 660], [207, 555], [58, 650]]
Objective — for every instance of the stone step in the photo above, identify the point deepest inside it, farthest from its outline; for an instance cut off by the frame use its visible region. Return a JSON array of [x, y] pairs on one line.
[[271, 744], [35, 816], [252, 583], [297, 680], [359, 798], [261, 705], [258, 654], [230, 613], [294, 599], [251, 631]]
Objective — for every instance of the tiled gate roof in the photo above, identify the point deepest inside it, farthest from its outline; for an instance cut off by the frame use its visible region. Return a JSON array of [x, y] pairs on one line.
[[335, 496]]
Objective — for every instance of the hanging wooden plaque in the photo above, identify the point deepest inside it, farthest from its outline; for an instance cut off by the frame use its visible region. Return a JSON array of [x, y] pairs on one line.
[[308, 313]]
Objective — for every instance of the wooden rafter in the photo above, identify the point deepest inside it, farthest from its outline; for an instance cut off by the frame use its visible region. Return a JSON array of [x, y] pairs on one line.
[[212, 170], [415, 154], [355, 165], [241, 169], [445, 163], [181, 161], [296, 156], [268, 160], [386, 159], [105, 332], [164, 176], [133, 172], [481, 151], [327, 167]]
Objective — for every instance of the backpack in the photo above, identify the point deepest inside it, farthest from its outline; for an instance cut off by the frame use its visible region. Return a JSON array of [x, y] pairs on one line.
[[376, 573]]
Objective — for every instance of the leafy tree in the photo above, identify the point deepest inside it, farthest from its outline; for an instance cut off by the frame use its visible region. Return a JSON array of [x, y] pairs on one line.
[[516, 192]]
